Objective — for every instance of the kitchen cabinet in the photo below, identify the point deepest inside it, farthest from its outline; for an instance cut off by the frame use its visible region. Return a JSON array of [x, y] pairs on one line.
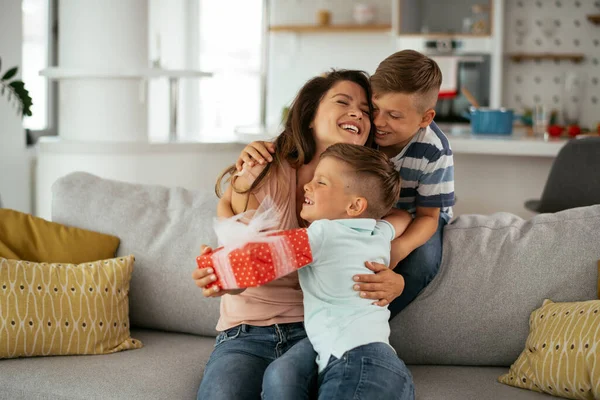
[[433, 17]]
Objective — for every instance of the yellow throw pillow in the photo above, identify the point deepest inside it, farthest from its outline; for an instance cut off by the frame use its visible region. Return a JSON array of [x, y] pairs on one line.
[[25, 237], [562, 353], [64, 309]]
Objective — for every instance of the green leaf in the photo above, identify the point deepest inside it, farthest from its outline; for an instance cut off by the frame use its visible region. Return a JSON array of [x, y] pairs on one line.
[[18, 86], [10, 73]]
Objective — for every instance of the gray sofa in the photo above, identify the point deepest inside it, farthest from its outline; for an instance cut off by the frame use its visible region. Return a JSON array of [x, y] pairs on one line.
[[457, 337]]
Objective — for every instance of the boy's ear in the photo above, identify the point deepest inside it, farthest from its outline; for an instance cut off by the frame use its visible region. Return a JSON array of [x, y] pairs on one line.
[[427, 118], [357, 207]]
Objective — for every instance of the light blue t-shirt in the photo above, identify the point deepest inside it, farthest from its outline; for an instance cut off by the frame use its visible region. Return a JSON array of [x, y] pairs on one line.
[[336, 318]]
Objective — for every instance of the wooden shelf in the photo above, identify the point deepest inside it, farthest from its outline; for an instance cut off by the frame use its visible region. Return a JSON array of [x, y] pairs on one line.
[[330, 28], [575, 57], [59, 73], [443, 35], [594, 19]]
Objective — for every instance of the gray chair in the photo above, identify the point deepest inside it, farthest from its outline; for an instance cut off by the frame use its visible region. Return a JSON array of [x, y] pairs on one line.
[[574, 179]]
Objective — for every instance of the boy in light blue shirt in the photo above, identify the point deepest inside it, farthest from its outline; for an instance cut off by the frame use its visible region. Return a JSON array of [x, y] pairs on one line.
[[352, 189]]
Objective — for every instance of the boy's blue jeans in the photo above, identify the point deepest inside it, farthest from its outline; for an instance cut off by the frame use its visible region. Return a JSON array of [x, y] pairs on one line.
[[373, 371], [418, 269], [243, 354]]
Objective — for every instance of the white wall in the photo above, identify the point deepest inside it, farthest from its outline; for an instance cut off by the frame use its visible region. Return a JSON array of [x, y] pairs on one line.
[[15, 180], [188, 165], [486, 184], [296, 58]]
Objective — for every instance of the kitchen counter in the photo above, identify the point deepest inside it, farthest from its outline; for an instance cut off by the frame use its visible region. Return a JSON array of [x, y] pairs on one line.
[[463, 141], [492, 172], [519, 143]]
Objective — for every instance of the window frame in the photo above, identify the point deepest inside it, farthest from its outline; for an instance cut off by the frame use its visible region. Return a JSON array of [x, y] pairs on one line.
[[52, 85]]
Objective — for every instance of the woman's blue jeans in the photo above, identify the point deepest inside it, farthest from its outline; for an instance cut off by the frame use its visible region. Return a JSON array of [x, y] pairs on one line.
[[242, 355]]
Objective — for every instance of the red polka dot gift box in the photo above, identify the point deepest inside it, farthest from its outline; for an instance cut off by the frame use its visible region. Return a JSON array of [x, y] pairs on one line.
[[259, 262]]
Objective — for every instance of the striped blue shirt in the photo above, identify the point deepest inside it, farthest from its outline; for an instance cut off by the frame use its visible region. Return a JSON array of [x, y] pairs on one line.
[[426, 167]]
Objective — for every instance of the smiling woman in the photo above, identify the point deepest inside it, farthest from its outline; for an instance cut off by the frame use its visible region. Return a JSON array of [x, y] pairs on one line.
[[332, 109], [329, 109], [346, 99]]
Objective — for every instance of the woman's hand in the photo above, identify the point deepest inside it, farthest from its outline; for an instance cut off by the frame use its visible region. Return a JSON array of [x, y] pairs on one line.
[[205, 276], [383, 286], [256, 152]]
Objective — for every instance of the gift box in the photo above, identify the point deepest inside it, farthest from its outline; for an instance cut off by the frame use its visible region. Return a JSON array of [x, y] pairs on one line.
[[266, 257]]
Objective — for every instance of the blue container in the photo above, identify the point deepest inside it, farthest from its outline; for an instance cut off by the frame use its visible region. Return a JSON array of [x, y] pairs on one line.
[[492, 121]]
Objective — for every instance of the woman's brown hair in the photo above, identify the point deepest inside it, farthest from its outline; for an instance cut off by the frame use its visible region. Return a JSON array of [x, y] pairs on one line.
[[296, 144]]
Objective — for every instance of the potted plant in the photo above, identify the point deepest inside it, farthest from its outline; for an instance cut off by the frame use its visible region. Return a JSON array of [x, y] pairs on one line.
[[14, 90]]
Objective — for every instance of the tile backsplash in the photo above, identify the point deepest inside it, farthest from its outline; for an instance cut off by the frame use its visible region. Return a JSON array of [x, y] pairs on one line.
[[553, 26]]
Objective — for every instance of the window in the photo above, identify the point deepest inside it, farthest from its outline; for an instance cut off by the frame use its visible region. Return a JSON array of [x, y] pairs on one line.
[[38, 53], [230, 46]]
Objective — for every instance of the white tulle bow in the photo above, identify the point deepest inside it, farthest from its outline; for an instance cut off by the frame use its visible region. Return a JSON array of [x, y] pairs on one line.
[[251, 226]]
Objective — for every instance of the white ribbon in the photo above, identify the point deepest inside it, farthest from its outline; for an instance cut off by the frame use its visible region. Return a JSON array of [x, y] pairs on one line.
[[251, 226]]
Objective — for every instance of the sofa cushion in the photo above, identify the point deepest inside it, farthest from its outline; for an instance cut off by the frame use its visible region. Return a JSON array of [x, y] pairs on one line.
[[169, 366], [25, 237], [562, 352], [164, 228], [64, 309], [460, 383], [495, 271]]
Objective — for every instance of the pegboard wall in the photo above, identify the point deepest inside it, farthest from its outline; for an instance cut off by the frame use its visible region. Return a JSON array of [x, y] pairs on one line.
[[553, 26]]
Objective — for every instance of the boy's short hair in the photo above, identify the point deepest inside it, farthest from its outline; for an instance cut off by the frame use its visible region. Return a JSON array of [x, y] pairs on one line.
[[374, 176], [409, 72]]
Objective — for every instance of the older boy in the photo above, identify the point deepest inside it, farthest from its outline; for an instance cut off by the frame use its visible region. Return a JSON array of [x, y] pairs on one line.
[[405, 90], [406, 86]]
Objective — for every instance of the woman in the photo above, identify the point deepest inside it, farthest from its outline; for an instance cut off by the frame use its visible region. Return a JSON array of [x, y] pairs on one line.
[[259, 325]]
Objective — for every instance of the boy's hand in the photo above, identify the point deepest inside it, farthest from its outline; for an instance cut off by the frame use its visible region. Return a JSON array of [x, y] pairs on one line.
[[383, 286], [205, 276], [256, 152]]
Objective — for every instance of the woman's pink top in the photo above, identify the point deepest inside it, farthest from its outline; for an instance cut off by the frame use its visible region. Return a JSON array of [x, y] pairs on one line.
[[280, 301]]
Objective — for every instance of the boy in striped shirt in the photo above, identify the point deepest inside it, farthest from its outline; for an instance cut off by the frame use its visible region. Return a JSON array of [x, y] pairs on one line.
[[405, 90]]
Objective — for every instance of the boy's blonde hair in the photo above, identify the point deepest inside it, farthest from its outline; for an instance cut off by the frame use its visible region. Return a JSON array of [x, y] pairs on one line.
[[374, 176], [409, 72]]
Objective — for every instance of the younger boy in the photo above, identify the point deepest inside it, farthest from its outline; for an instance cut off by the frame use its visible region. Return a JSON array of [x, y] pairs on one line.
[[352, 189], [405, 90]]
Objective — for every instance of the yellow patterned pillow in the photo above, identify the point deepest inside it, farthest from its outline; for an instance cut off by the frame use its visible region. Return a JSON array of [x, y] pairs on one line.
[[562, 353], [64, 309]]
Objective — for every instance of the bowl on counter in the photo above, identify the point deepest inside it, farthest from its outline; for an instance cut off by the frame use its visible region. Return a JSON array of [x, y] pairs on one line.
[[494, 121]]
